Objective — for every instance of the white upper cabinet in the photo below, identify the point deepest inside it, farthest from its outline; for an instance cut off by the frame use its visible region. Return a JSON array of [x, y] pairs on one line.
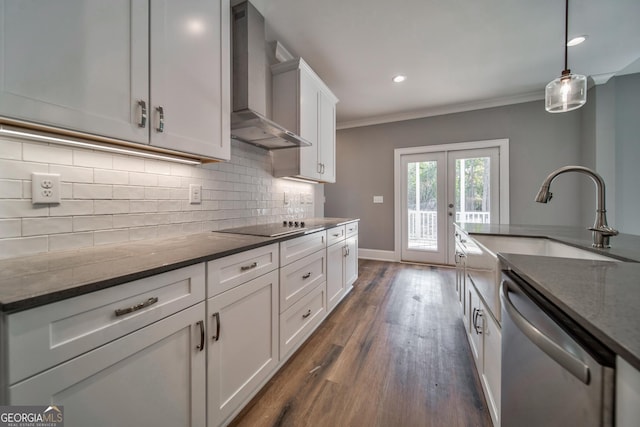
[[190, 81], [304, 104], [76, 64], [114, 68]]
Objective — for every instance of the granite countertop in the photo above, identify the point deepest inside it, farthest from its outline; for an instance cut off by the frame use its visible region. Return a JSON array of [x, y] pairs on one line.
[[602, 296], [30, 281]]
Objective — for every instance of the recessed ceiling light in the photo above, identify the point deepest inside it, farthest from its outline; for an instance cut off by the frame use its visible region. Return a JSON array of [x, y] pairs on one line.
[[399, 78], [576, 40]]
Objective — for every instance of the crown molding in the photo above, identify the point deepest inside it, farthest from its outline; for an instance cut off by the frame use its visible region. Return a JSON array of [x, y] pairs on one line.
[[447, 109]]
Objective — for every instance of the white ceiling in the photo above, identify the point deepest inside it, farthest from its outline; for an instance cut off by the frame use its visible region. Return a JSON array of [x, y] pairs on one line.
[[457, 54]]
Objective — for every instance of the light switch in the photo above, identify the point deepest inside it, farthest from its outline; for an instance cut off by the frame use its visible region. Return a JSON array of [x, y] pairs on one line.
[[378, 199]]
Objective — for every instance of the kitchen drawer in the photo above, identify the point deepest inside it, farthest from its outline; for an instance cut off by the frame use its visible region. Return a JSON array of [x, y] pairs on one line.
[[335, 235], [298, 278], [233, 270], [301, 319], [45, 336], [294, 249], [352, 229]]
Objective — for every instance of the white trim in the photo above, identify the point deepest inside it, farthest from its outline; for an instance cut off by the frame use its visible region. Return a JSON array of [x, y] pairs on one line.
[[439, 111], [376, 254], [503, 146]]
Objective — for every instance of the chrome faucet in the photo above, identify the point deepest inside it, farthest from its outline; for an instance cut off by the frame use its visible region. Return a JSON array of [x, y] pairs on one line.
[[601, 231]]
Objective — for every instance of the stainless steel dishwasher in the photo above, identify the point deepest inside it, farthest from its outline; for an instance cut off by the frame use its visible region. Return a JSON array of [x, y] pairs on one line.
[[554, 373]]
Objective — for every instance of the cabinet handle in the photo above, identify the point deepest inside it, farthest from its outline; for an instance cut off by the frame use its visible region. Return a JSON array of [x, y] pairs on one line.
[[477, 328], [143, 113], [307, 314], [201, 346], [216, 316], [147, 303], [306, 276], [336, 235], [248, 267], [346, 251], [160, 127]]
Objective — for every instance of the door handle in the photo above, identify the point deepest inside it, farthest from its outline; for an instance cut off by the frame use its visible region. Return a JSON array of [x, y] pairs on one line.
[[143, 113], [201, 325], [565, 359], [160, 127], [216, 316]]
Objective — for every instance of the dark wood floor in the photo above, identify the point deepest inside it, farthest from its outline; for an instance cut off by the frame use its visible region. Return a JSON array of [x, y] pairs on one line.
[[393, 353]]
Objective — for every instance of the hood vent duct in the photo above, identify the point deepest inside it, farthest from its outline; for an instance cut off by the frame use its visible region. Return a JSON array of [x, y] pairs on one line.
[[251, 80]]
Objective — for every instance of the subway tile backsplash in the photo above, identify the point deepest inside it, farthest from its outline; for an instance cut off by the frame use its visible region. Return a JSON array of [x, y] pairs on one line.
[[112, 198]]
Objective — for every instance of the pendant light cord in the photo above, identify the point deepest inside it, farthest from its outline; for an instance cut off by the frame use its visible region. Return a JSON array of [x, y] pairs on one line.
[[566, 37]]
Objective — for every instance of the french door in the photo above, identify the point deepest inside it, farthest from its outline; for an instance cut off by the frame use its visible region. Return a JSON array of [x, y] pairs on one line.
[[439, 188], [424, 207]]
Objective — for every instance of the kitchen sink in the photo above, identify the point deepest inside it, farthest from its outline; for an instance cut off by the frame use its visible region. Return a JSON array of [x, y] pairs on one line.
[[536, 246]]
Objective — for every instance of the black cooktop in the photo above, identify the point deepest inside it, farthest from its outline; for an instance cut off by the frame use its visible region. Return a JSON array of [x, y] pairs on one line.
[[271, 230]]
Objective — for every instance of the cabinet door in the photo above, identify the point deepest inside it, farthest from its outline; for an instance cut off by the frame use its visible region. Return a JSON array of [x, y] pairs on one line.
[[492, 361], [327, 137], [190, 83], [76, 64], [351, 261], [243, 344], [309, 104], [475, 326], [335, 274], [152, 377]]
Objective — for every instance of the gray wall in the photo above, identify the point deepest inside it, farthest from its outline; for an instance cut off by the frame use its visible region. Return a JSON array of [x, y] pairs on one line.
[[627, 153], [604, 135], [539, 143]]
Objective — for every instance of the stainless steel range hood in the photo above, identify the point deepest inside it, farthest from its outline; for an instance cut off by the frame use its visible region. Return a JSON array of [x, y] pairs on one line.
[[251, 80]]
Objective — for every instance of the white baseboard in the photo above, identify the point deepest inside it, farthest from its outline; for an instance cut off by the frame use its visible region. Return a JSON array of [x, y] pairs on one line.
[[376, 254]]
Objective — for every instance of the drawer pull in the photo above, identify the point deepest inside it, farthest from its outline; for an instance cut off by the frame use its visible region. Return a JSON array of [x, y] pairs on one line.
[[248, 267], [306, 276], [201, 325], [216, 316], [336, 234], [307, 314], [147, 303]]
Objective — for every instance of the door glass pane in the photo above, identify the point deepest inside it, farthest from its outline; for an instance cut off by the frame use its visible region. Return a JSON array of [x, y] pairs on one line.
[[472, 190], [422, 204]]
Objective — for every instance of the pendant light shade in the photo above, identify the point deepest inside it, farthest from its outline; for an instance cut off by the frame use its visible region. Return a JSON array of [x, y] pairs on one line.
[[566, 93], [569, 91]]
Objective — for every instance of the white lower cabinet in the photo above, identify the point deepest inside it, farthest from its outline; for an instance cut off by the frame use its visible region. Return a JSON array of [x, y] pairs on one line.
[[154, 376], [335, 274], [485, 341], [342, 262], [301, 319], [351, 262], [243, 344]]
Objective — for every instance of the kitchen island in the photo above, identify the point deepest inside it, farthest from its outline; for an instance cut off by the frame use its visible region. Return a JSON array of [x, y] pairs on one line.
[[601, 296]]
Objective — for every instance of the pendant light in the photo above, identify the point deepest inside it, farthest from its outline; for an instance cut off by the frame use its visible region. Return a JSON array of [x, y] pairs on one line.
[[569, 91]]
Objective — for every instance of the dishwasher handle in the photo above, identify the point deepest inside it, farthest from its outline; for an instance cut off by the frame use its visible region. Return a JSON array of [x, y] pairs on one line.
[[565, 359]]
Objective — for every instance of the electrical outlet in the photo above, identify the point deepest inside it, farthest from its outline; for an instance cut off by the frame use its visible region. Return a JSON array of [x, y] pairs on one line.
[[195, 194], [45, 188]]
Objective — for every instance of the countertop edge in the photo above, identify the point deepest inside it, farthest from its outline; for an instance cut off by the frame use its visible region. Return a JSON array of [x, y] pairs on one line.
[[20, 303]]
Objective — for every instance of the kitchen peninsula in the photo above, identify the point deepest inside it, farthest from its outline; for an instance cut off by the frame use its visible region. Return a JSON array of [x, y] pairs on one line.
[[600, 296]]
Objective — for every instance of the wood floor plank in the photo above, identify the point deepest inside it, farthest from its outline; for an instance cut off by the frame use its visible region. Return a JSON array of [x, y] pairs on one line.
[[393, 353]]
